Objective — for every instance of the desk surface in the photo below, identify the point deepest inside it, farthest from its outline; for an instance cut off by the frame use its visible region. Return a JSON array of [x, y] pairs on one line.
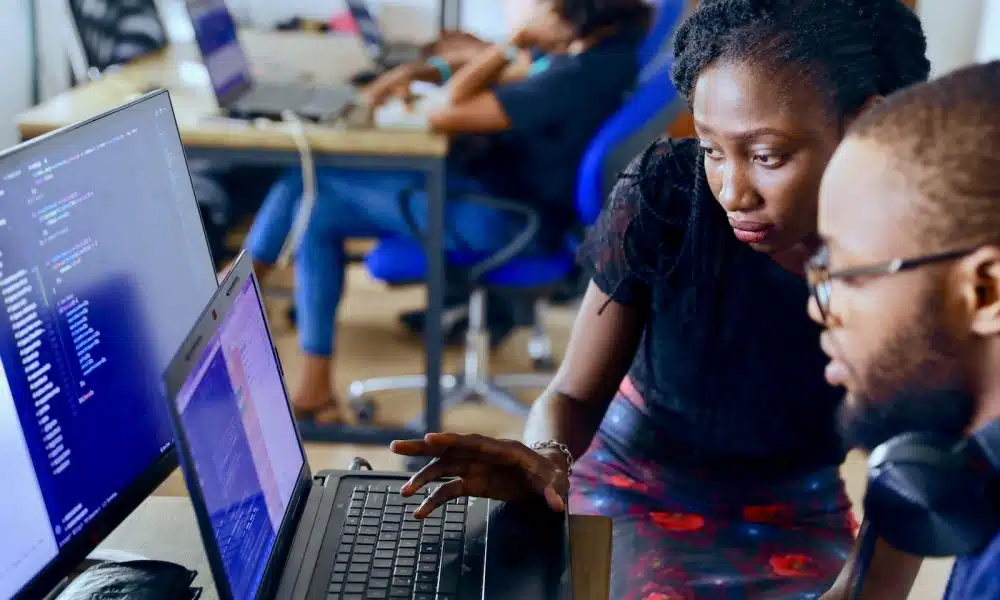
[[164, 528], [287, 56]]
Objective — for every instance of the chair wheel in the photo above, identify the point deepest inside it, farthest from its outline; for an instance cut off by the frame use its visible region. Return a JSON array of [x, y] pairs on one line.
[[415, 463], [292, 315], [544, 365], [364, 410]]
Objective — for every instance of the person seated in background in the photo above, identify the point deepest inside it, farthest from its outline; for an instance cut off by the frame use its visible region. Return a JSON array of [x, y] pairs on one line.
[[907, 282], [519, 137], [691, 405]]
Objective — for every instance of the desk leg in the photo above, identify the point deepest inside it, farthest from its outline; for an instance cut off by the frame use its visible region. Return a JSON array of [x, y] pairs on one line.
[[433, 334]]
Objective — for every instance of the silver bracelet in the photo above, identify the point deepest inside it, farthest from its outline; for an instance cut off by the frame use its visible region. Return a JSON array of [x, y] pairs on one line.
[[552, 444]]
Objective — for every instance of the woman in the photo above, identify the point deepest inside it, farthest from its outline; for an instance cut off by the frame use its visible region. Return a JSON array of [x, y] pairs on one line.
[[692, 396], [520, 130]]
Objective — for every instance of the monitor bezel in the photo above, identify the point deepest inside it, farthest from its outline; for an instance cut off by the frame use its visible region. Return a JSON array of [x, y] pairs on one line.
[[134, 494], [174, 379]]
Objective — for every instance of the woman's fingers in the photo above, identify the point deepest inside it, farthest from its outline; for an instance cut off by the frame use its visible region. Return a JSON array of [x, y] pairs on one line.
[[438, 468], [441, 494]]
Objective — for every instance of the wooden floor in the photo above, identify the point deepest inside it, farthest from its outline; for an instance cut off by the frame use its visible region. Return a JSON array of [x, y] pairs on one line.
[[371, 342]]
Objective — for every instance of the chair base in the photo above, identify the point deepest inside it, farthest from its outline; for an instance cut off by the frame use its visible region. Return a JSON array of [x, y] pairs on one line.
[[474, 384]]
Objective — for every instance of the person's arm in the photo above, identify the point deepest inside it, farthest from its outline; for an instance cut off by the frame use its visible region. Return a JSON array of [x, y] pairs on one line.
[[479, 74], [601, 347]]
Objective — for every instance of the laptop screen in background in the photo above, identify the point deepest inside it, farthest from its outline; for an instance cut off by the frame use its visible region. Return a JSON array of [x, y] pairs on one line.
[[242, 441], [371, 34], [215, 31]]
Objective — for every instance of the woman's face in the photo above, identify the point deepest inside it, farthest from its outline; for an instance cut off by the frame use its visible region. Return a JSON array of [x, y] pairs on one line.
[[765, 146]]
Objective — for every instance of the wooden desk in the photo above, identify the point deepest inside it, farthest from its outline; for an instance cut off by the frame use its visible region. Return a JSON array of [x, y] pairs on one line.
[[276, 56], [165, 529], [208, 136]]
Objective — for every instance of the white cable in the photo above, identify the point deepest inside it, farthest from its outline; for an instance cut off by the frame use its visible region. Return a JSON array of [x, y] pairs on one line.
[[291, 246]]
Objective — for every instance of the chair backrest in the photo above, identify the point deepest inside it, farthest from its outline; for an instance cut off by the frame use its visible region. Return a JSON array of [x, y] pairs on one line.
[[645, 116], [114, 32]]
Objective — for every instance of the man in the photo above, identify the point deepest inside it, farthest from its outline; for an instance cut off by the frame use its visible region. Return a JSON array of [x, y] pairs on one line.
[[916, 343]]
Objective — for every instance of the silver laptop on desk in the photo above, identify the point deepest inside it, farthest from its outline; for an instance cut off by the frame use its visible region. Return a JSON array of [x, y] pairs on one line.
[[236, 90], [272, 528], [387, 54]]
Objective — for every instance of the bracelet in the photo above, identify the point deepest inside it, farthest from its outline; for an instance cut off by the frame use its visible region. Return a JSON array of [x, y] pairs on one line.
[[552, 444], [442, 67]]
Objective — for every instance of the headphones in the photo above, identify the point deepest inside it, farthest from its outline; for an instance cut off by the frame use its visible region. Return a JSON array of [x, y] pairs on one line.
[[929, 495]]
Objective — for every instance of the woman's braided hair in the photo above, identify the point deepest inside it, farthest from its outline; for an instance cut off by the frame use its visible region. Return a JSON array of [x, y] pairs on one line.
[[851, 49]]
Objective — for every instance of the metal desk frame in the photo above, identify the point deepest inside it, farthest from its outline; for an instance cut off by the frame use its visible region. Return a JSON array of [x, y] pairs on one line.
[[433, 169]]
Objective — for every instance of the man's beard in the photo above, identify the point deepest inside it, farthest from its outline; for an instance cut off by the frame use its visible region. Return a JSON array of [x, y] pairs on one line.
[[915, 384]]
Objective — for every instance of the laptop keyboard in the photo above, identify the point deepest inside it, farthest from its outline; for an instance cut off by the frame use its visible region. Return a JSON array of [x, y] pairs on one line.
[[385, 553]]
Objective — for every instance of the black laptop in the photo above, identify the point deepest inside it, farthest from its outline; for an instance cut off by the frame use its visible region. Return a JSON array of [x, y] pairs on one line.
[[386, 54], [272, 528], [236, 90]]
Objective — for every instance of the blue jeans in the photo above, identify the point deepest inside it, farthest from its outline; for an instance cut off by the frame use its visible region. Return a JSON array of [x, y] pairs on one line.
[[360, 204]]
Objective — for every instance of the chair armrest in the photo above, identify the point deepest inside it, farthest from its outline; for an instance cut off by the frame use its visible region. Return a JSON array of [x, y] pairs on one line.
[[517, 245]]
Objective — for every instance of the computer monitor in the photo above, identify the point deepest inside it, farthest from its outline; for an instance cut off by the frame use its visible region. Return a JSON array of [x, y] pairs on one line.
[[104, 266], [219, 43]]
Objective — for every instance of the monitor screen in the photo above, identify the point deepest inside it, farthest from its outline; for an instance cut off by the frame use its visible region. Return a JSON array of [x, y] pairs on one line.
[[215, 32], [104, 265], [241, 440]]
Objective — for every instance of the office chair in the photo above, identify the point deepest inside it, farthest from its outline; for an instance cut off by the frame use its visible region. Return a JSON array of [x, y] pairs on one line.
[[644, 116], [114, 32]]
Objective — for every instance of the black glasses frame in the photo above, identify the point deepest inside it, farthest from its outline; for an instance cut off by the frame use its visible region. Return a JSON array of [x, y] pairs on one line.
[[821, 278]]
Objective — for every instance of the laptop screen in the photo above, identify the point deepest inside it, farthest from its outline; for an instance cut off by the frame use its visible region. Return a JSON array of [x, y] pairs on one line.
[[215, 31], [241, 439], [371, 34]]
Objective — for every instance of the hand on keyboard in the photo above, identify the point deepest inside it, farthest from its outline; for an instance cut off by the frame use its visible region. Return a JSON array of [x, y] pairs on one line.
[[484, 467]]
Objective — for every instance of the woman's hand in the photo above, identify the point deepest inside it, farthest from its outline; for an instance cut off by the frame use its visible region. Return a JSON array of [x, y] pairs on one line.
[[393, 84], [486, 468]]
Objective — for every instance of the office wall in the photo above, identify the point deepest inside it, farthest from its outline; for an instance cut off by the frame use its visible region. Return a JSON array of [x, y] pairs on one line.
[[952, 28], [989, 34], [15, 94]]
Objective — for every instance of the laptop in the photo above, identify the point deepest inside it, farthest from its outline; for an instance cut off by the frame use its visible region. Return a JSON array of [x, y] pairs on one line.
[[388, 55], [236, 90], [273, 528]]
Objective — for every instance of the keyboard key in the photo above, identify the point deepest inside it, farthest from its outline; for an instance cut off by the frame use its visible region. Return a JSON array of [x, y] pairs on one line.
[[425, 587], [340, 567], [366, 539], [352, 521], [405, 562], [423, 597], [409, 534], [454, 517], [343, 556], [375, 500], [381, 574], [364, 549], [430, 548], [432, 530], [354, 588], [406, 553], [454, 526], [354, 512], [409, 543], [399, 592], [382, 563], [406, 582], [380, 554], [404, 572], [338, 577], [411, 526], [371, 521], [377, 593], [427, 568], [385, 545], [379, 580], [430, 559], [394, 510], [429, 578], [430, 539], [387, 526], [358, 568], [335, 588], [452, 536], [388, 536], [349, 530], [368, 531], [357, 577]]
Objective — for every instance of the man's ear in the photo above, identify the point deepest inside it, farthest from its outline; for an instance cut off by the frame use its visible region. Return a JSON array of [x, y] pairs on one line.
[[982, 290]]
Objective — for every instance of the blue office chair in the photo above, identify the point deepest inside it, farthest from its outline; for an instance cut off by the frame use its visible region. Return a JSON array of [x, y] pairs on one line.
[[645, 115]]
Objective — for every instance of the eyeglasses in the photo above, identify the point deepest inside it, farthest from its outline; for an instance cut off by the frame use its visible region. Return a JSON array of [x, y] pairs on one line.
[[821, 278]]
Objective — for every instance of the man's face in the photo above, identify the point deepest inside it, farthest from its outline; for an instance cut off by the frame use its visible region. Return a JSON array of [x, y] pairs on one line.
[[892, 341]]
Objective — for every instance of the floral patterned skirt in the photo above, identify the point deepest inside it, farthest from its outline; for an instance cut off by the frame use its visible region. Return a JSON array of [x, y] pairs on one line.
[[682, 535]]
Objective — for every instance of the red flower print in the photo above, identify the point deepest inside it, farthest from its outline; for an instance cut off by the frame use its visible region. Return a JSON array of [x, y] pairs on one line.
[[655, 591], [770, 513], [794, 565], [672, 521], [626, 483]]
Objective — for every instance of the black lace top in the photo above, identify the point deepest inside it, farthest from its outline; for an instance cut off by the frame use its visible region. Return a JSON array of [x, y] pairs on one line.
[[729, 366]]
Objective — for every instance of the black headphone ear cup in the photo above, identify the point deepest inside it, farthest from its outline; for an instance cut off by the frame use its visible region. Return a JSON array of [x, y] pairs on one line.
[[923, 498]]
